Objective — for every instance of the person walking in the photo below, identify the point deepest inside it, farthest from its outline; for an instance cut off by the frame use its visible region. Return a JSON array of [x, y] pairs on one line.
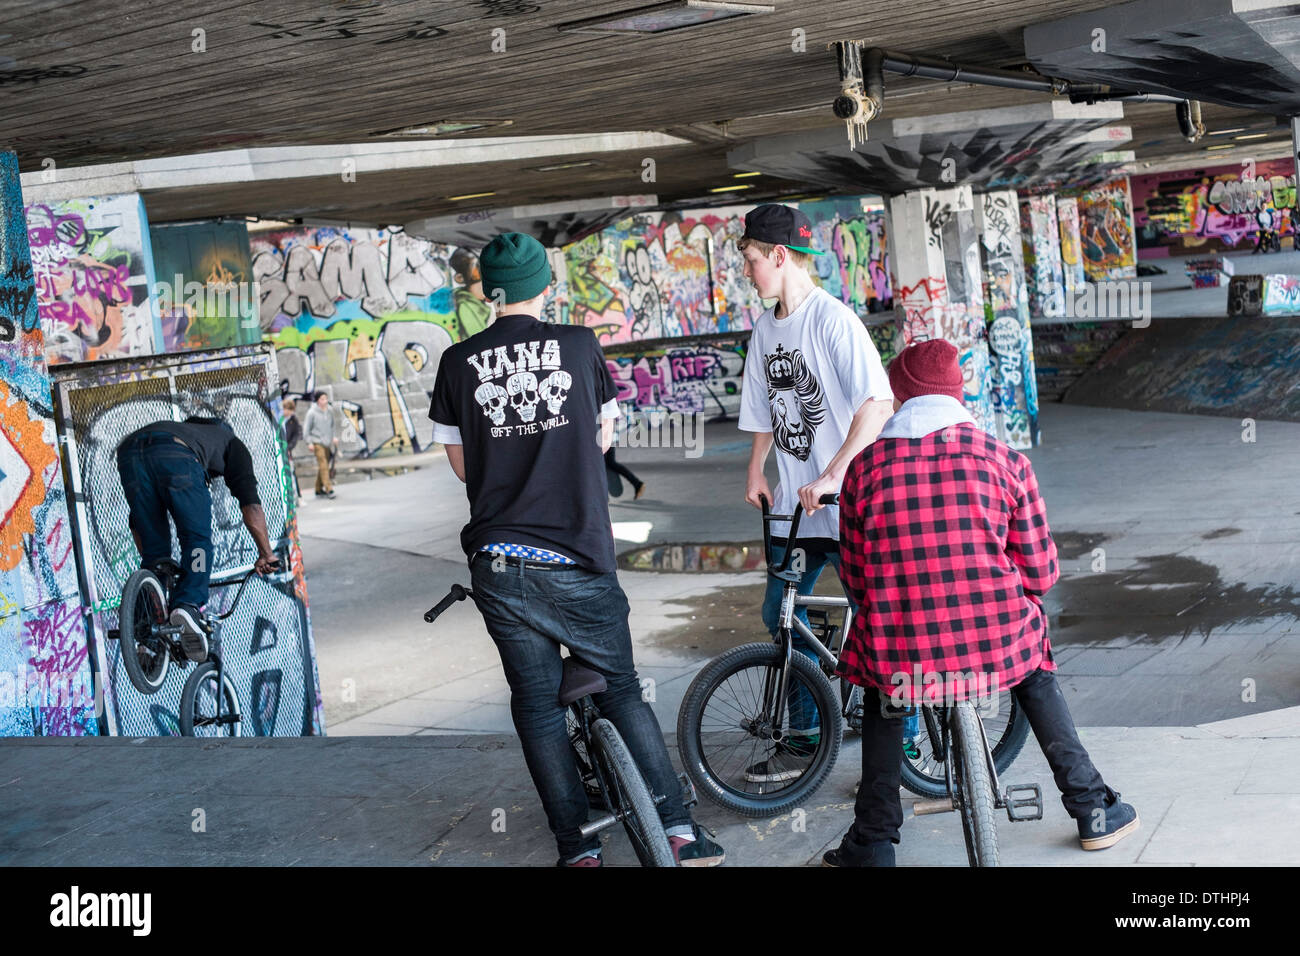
[[292, 435], [516, 407], [319, 433], [613, 469]]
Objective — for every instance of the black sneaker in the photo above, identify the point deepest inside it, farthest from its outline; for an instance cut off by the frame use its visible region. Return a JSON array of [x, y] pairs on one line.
[[875, 854], [194, 636], [1107, 825], [586, 860], [700, 851], [788, 761]]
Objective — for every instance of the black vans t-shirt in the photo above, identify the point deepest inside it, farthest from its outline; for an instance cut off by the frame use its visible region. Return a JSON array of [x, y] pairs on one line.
[[526, 396]]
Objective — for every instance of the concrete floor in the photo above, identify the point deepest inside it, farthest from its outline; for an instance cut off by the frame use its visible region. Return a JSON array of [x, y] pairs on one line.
[[1196, 602]]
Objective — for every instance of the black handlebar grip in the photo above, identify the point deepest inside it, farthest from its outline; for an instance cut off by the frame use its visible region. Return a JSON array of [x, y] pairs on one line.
[[457, 593], [830, 499]]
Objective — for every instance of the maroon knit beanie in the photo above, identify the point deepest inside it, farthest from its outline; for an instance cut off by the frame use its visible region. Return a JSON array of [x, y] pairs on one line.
[[926, 368]]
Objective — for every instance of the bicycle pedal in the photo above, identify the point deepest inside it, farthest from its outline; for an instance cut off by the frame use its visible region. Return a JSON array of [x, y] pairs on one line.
[[692, 799], [1024, 797], [113, 634]]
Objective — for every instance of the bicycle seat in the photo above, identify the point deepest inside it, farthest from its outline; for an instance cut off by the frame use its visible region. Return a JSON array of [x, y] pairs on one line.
[[579, 680]]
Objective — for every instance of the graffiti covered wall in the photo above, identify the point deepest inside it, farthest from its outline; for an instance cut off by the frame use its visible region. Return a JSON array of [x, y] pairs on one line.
[[1006, 310], [1067, 217], [94, 278], [1040, 238], [1106, 232], [1216, 209], [45, 669], [365, 315], [205, 283], [693, 375]]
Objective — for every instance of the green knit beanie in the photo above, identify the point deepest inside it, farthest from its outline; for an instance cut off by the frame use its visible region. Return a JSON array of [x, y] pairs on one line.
[[517, 265]]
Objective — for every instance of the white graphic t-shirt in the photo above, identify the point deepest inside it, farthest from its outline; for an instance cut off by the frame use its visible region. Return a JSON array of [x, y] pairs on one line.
[[805, 377]]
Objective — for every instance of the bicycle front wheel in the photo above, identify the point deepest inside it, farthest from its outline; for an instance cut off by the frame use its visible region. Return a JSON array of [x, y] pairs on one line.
[[974, 786], [632, 797], [144, 651], [203, 701], [924, 773], [725, 730]]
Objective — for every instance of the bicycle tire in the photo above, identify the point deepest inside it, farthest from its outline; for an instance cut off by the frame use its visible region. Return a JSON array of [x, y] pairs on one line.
[[975, 787], [713, 781], [925, 776], [640, 817], [205, 674], [144, 654]]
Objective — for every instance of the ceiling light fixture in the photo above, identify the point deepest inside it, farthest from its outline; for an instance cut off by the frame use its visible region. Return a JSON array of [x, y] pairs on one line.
[[446, 127], [665, 17], [743, 175], [469, 196], [730, 189], [1223, 146], [554, 167], [1251, 136], [1225, 132]]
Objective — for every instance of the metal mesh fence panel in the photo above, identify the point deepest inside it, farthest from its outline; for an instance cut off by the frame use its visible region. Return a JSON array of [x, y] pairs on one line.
[[266, 643]]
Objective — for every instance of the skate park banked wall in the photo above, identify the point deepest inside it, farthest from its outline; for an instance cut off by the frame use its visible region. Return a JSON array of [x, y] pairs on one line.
[[266, 644], [46, 686]]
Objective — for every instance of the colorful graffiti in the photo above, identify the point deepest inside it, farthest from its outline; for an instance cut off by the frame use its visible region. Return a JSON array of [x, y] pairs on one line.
[[690, 376], [1106, 232], [45, 671], [1281, 295], [365, 316], [1216, 209], [93, 270], [1067, 217], [1040, 238], [1013, 388], [206, 273]]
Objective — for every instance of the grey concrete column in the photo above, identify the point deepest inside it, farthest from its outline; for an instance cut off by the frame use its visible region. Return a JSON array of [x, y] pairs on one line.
[[934, 248]]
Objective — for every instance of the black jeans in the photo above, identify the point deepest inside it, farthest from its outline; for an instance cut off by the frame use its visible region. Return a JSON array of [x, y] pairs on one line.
[[530, 613], [161, 476], [878, 813]]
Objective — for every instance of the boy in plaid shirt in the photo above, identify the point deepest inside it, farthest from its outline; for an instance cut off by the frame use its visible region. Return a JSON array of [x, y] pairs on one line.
[[946, 553]]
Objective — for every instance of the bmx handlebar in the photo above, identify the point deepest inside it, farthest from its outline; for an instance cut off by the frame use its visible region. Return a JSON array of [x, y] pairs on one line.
[[768, 518], [457, 593]]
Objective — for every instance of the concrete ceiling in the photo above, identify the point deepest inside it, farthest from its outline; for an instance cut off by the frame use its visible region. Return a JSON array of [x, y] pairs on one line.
[[96, 81]]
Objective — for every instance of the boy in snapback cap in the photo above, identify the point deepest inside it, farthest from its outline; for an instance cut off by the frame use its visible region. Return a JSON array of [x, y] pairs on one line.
[[814, 388]]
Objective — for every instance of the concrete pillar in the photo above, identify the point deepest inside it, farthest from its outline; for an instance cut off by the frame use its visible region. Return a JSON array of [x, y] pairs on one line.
[[1067, 217], [45, 661], [934, 252], [1040, 236], [1014, 389], [1106, 231]]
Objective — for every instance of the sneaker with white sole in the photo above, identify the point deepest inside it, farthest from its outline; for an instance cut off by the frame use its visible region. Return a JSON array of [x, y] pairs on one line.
[[789, 761], [697, 849], [194, 636], [1106, 826]]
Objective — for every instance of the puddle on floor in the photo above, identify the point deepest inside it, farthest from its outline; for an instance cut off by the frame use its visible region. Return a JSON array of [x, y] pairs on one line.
[[703, 558]]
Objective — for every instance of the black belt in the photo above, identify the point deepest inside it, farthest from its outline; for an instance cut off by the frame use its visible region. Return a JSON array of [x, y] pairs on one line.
[[157, 438], [514, 562]]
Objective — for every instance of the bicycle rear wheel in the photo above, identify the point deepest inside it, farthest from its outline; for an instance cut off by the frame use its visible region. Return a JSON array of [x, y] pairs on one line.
[[974, 786], [144, 652], [924, 773], [631, 796], [724, 731], [200, 700]]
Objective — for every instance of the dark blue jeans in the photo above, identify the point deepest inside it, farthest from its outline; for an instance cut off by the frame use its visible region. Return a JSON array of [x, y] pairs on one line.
[[160, 476], [530, 613]]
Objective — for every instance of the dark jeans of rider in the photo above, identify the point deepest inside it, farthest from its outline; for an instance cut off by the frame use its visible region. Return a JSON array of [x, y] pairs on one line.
[[878, 813], [530, 612], [161, 476]]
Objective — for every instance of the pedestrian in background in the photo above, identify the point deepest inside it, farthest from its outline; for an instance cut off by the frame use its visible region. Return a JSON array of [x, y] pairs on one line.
[[292, 435], [319, 433]]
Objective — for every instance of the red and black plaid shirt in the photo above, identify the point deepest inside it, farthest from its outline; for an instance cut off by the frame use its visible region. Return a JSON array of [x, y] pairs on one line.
[[946, 553]]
